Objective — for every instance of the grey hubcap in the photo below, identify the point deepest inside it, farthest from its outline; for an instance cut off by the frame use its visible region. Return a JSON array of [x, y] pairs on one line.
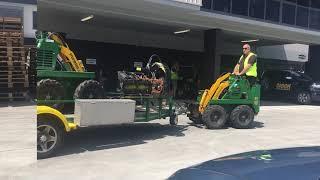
[[303, 97], [46, 139]]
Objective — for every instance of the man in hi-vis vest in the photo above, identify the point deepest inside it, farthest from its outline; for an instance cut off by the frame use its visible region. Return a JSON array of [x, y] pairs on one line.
[[247, 65]]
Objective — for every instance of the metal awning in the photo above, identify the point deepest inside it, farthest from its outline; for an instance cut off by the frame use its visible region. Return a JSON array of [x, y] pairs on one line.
[[173, 13]]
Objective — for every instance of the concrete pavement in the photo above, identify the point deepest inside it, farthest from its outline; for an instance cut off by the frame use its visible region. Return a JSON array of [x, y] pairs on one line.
[[156, 150], [17, 137]]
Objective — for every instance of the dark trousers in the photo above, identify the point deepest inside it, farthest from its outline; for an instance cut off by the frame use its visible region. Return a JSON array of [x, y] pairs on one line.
[[252, 80]]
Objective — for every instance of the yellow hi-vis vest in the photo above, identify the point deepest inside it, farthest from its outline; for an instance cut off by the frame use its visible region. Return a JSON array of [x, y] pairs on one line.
[[253, 69], [174, 75]]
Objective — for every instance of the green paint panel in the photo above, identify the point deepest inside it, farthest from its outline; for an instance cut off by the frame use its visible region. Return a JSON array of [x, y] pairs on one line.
[[64, 74]]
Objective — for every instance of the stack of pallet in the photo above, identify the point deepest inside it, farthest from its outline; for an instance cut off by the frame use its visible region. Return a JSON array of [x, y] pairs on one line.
[[13, 75]]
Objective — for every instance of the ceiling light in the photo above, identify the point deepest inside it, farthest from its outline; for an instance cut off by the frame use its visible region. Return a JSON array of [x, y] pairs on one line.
[[183, 31], [249, 41], [87, 18]]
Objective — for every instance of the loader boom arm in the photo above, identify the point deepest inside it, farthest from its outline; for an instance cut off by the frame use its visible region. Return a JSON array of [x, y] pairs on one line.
[[68, 57], [214, 92]]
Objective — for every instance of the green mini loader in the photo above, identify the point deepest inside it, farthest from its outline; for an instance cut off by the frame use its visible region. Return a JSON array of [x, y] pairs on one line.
[[231, 98], [61, 76]]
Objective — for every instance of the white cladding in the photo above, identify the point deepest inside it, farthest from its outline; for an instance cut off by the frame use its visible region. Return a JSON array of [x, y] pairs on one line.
[[288, 52], [28, 9], [193, 2]]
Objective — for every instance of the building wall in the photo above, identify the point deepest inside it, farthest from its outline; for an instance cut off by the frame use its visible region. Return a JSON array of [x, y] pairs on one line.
[[303, 14], [129, 37], [117, 57], [28, 10], [29, 31]]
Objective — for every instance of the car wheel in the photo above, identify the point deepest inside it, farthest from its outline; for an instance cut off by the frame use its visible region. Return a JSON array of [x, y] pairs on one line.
[[304, 97]]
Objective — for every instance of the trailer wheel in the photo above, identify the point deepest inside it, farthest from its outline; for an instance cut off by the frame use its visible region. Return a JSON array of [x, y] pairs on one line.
[[242, 117], [174, 119], [50, 136], [89, 89], [50, 89], [214, 117]]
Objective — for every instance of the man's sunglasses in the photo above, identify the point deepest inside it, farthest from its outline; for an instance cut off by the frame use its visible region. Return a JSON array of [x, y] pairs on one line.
[[244, 48]]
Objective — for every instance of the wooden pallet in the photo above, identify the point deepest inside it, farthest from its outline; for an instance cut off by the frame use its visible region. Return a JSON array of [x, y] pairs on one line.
[[12, 96], [11, 62], [10, 28], [13, 68], [6, 73], [11, 79], [11, 53], [5, 34], [14, 84], [13, 89], [9, 24], [12, 48], [10, 20], [10, 38], [20, 76], [11, 41], [10, 59]]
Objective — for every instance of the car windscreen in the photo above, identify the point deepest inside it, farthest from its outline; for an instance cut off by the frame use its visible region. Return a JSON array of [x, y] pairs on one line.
[[301, 75]]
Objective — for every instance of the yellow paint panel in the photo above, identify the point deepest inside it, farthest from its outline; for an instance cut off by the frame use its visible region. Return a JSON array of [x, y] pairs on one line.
[[56, 113]]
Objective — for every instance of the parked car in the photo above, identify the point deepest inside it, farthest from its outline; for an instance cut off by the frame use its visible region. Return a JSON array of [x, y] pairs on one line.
[[292, 163], [290, 84]]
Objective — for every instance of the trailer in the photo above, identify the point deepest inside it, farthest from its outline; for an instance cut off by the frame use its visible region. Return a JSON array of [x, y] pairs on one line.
[[53, 125]]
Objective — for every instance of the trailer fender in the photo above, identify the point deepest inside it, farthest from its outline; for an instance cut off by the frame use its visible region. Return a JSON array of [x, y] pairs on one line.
[[42, 110]]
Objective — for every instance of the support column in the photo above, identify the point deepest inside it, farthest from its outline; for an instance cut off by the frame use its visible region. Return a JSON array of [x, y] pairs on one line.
[[211, 64], [313, 65]]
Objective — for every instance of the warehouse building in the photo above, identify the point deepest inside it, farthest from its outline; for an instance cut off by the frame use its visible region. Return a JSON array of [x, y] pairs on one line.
[[203, 34]]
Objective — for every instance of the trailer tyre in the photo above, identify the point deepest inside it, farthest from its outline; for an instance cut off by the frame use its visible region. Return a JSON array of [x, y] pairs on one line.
[[242, 117], [50, 136], [89, 89], [214, 117], [50, 89], [174, 119]]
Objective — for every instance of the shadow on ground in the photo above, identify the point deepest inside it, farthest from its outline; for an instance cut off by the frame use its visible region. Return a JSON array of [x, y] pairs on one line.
[[255, 125], [283, 102], [102, 138]]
